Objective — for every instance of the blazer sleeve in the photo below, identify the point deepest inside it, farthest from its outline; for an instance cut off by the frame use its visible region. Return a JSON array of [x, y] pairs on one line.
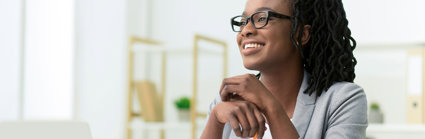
[[348, 113]]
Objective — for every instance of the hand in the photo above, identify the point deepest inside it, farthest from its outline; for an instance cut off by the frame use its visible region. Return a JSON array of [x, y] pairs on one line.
[[246, 87], [244, 118]]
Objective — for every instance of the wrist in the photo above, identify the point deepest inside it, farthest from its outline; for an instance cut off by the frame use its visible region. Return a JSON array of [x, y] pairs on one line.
[[272, 108], [213, 129], [214, 120]]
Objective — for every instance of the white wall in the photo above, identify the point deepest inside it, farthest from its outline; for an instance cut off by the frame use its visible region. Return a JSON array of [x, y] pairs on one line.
[[383, 74], [100, 65], [10, 41], [386, 21], [176, 22]]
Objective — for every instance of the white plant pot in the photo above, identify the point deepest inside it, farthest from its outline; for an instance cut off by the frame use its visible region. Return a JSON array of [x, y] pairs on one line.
[[376, 116], [184, 115]]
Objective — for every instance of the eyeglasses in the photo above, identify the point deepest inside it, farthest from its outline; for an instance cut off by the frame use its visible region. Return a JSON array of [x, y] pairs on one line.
[[258, 20]]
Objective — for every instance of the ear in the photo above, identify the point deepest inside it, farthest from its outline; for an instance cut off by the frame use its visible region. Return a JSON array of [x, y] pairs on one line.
[[306, 35]]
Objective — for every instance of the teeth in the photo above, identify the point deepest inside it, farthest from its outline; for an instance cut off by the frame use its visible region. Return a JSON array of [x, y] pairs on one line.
[[252, 45]]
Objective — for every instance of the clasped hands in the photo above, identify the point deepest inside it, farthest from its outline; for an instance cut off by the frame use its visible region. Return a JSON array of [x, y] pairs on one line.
[[244, 104]]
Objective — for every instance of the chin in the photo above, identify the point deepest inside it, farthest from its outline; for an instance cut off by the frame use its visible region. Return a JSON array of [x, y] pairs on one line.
[[250, 65]]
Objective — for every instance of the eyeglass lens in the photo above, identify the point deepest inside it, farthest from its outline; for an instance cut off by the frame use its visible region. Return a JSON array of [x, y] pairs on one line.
[[259, 19]]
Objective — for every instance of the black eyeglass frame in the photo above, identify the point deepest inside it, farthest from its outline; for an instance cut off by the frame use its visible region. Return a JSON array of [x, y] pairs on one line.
[[268, 15]]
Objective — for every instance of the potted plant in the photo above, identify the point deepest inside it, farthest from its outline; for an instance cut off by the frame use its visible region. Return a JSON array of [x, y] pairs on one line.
[[375, 114], [183, 107]]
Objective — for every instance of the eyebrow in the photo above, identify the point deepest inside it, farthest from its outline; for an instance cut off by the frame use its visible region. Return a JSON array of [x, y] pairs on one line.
[[260, 9]]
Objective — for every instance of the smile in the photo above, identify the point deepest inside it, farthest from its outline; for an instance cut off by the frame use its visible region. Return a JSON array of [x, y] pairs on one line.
[[252, 45], [252, 48]]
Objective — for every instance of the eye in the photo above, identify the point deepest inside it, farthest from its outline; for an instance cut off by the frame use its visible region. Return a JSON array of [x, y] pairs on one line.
[[262, 19], [242, 23], [238, 21]]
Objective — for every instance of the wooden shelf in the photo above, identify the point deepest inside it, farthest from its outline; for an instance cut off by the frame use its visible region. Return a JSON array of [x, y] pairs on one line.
[[194, 53]]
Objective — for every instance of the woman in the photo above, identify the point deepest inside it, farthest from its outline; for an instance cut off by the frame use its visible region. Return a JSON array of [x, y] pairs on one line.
[[304, 52]]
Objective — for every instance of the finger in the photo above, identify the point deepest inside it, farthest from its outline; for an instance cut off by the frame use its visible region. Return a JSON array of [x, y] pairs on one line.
[[224, 97], [241, 80], [227, 91], [237, 79], [261, 123], [231, 80], [252, 119], [250, 76], [243, 121], [234, 123], [222, 84]]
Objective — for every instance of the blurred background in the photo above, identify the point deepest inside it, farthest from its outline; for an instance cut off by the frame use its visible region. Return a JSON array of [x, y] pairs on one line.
[[141, 68]]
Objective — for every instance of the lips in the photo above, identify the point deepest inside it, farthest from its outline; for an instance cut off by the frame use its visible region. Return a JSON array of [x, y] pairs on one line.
[[251, 48]]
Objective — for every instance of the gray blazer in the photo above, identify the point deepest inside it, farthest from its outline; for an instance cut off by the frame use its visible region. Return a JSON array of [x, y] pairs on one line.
[[338, 113]]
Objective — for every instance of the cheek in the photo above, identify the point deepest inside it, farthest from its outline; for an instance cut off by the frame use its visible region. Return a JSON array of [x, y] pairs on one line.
[[282, 35], [281, 41], [278, 38]]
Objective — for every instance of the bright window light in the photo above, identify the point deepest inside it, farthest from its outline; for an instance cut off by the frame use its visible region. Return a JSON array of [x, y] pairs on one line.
[[48, 82], [10, 35]]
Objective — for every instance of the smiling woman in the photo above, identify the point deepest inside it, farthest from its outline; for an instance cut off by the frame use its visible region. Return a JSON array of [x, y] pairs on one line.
[[304, 52]]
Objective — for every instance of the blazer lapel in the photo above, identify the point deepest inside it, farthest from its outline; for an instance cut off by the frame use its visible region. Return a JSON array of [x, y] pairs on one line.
[[303, 108]]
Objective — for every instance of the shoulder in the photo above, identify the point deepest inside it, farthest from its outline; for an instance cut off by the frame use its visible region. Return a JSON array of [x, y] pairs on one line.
[[344, 100], [342, 91], [348, 87]]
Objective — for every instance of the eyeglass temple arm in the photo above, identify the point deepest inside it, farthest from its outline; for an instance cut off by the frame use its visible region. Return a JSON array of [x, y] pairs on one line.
[[280, 15]]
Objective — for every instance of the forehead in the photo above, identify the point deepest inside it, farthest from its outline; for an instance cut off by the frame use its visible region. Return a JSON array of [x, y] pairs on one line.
[[280, 6]]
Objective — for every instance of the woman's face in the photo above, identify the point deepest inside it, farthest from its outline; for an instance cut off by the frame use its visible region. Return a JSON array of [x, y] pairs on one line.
[[273, 46]]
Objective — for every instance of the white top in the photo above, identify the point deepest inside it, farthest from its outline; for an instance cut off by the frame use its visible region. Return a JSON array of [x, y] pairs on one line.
[[267, 133]]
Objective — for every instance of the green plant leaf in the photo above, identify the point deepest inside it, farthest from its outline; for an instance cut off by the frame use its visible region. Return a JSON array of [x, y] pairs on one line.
[[374, 106], [182, 103]]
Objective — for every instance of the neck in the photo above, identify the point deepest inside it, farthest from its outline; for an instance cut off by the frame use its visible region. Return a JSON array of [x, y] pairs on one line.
[[284, 86]]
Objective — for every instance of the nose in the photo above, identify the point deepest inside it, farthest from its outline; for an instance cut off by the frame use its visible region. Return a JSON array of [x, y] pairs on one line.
[[248, 30]]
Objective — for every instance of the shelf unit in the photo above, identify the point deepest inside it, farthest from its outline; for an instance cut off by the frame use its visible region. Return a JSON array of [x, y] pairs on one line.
[[194, 114], [131, 85], [158, 47]]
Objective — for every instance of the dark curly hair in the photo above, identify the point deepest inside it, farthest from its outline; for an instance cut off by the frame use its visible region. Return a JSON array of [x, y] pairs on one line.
[[328, 55]]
